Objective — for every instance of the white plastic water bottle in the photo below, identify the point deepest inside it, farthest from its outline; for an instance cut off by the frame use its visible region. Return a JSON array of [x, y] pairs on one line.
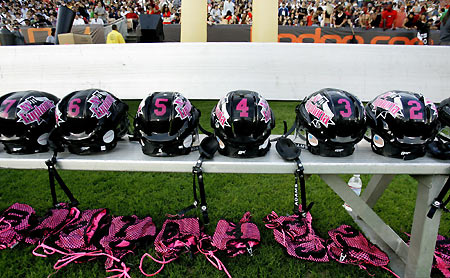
[[355, 184]]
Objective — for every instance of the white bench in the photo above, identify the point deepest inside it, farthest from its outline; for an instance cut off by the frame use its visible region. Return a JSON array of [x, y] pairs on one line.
[[278, 72]]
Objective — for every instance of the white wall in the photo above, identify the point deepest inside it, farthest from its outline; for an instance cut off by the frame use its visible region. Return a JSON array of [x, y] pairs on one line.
[[210, 70]]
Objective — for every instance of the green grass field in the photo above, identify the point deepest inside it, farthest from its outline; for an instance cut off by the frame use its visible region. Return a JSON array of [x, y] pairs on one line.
[[228, 195]]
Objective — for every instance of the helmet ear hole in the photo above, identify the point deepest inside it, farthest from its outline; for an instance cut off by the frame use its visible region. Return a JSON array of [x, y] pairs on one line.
[[242, 122], [166, 124], [91, 120], [334, 121]]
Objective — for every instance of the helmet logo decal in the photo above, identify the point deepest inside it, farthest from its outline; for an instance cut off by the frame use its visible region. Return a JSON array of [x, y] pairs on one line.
[[318, 107], [394, 108], [221, 113], [432, 106], [265, 111], [183, 108], [100, 102], [33, 108]]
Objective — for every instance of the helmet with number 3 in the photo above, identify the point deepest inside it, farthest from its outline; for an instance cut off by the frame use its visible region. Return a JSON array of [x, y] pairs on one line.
[[402, 124], [334, 121], [91, 120], [242, 122], [166, 124], [26, 118]]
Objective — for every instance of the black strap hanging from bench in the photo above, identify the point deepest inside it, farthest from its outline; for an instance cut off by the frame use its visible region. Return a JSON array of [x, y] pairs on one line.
[[438, 201], [52, 175]]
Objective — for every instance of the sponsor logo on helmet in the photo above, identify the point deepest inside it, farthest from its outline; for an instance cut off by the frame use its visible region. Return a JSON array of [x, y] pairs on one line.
[[31, 110], [100, 102], [394, 108], [318, 107], [183, 108], [265, 110], [312, 140], [378, 141]]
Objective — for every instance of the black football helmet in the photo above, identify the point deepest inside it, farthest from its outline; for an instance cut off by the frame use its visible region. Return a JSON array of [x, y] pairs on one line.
[[440, 148], [334, 121], [402, 124], [242, 122], [26, 118], [88, 121], [166, 124]]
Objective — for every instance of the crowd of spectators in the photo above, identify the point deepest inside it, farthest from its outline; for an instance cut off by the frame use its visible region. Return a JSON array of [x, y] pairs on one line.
[[408, 14]]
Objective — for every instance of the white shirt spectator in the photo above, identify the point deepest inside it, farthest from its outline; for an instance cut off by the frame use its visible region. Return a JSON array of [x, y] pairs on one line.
[[228, 6], [79, 21], [97, 21]]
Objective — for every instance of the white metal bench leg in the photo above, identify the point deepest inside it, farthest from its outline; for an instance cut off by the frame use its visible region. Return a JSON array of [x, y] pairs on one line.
[[371, 222], [375, 188], [424, 230]]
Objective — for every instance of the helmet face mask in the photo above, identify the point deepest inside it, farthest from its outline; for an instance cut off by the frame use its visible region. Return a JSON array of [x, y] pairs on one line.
[[334, 121], [90, 121], [26, 118], [402, 124], [242, 122], [166, 124]]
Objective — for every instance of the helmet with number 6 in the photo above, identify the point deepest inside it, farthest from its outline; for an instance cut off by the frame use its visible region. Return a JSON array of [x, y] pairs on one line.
[[26, 118], [242, 122], [91, 120], [334, 122], [402, 124], [166, 124]]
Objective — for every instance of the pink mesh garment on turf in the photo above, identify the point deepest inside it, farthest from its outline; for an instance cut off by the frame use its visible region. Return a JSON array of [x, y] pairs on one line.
[[296, 234], [52, 223], [124, 234], [15, 221], [177, 236], [236, 239], [79, 235], [348, 246]]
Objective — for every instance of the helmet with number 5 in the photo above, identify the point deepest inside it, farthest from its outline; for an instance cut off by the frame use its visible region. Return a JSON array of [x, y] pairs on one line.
[[88, 121], [334, 122], [26, 118], [402, 124], [242, 122], [166, 124]]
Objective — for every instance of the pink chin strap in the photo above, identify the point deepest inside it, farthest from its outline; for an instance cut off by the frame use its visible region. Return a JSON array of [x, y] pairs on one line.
[[7, 223], [71, 257], [209, 254]]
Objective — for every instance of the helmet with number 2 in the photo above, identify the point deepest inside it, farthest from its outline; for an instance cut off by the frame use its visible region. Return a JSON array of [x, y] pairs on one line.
[[90, 121], [334, 122], [166, 124], [26, 118], [242, 122], [402, 124]]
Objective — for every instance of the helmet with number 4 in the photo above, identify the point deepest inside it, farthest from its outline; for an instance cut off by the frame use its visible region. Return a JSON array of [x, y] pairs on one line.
[[91, 120], [334, 122], [26, 118], [242, 122], [402, 124], [166, 124]]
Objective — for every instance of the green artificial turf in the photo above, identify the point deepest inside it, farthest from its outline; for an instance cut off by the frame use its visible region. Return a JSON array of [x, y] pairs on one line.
[[228, 195]]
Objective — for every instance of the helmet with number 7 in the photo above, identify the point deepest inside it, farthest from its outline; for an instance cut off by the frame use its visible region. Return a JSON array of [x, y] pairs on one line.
[[89, 121], [242, 122], [334, 121], [26, 118], [402, 124], [166, 124]]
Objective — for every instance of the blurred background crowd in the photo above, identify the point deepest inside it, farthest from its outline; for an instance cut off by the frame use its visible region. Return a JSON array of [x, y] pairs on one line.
[[368, 14]]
